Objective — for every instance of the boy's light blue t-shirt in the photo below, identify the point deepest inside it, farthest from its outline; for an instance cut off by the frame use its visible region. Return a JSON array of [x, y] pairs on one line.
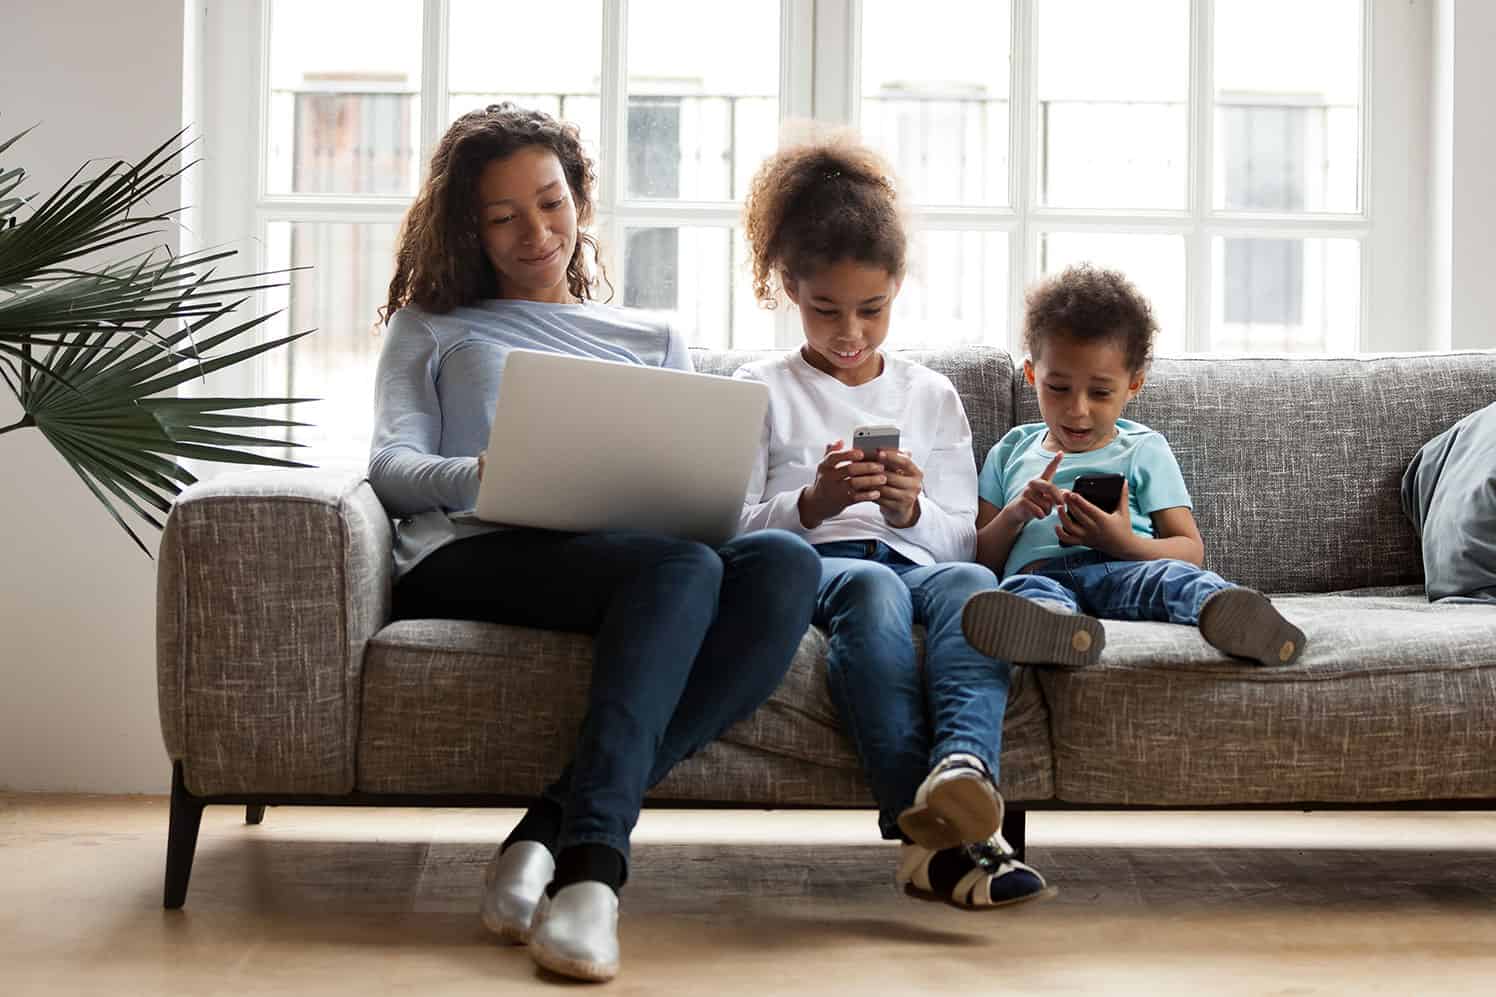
[[1140, 454]]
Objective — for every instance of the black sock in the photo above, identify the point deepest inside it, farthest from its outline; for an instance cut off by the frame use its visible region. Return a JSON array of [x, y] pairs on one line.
[[541, 823], [588, 863]]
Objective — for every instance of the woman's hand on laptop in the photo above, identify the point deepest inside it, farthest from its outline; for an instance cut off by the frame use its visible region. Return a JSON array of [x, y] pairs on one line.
[[899, 501], [843, 478]]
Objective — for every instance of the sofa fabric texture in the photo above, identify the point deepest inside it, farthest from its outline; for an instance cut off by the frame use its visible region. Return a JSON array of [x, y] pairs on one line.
[[269, 587], [280, 672]]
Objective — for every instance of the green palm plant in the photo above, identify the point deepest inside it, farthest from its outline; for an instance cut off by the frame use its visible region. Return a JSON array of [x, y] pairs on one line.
[[93, 352]]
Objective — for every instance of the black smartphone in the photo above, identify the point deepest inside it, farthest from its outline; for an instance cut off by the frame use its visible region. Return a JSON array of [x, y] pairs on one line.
[[1103, 491]]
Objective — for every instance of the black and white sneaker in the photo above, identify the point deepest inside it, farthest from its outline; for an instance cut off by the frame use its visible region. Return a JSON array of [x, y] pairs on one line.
[[956, 804], [1022, 631], [972, 877], [1243, 623]]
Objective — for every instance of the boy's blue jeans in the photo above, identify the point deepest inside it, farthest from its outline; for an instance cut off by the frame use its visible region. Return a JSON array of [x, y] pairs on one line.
[[902, 721], [1089, 582]]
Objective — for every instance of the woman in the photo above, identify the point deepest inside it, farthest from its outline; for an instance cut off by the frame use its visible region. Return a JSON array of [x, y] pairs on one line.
[[687, 639]]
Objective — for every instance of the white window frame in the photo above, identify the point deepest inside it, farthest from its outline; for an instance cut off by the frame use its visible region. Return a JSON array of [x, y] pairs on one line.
[[820, 48], [1388, 227], [238, 207]]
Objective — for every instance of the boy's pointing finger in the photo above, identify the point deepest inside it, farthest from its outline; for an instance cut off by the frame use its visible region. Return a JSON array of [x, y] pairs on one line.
[[1054, 465]]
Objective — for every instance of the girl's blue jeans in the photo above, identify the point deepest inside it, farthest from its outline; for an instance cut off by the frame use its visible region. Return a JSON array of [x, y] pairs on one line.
[[901, 719]]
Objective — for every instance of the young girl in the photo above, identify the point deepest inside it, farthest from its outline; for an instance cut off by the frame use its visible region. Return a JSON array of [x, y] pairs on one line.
[[686, 639], [895, 528]]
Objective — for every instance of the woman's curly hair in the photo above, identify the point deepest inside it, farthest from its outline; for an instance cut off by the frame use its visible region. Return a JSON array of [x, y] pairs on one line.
[[1089, 303], [439, 263], [819, 203]]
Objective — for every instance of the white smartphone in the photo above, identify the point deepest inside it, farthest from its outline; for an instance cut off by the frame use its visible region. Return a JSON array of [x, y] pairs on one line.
[[871, 439]]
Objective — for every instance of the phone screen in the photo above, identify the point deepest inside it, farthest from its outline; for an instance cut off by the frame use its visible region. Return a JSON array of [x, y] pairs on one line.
[[1103, 491]]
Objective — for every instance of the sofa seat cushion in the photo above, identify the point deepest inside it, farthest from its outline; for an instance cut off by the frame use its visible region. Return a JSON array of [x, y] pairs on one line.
[[1392, 699], [458, 707]]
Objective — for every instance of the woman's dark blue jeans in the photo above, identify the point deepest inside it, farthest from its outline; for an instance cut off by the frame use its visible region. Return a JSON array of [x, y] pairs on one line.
[[687, 640]]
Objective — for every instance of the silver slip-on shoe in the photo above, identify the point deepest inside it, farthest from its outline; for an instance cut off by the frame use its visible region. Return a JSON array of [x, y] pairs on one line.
[[1022, 631], [576, 932], [956, 804], [1243, 622], [513, 884]]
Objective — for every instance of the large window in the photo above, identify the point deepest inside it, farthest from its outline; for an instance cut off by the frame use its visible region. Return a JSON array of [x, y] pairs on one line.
[[1215, 150]]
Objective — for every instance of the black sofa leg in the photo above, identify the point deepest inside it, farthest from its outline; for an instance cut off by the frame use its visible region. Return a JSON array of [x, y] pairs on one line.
[[181, 839], [1014, 824], [254, 813]]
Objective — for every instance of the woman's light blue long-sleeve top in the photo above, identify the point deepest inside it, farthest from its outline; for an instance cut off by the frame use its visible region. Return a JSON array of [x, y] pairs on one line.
[[437, 385]]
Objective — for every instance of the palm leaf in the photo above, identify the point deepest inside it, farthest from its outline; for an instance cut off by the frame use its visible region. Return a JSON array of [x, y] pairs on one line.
[[88, 353], [46, 298]]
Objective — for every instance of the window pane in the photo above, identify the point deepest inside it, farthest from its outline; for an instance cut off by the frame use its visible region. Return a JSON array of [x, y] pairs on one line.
[[1154, 263], [699, 275], [529, 75], [339, 297], [1113, 114], [1288, 128], [935, 100], [1285, 295], [956, 291], [703, 103], [345, 79]]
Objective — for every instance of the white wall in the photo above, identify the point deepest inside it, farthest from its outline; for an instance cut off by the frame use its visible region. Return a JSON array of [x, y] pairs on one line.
[[77, 598], [1472, 194]]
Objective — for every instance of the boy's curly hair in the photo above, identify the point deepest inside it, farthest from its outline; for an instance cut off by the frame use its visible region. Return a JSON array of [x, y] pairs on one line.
[[439, 263], [819, 203], [1088, 303]]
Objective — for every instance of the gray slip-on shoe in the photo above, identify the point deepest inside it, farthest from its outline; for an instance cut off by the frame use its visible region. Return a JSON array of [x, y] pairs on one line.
[[1022, 631], [1243, 623]]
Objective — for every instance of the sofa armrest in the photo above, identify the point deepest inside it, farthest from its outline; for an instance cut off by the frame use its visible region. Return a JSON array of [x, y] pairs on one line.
[[269, 585]]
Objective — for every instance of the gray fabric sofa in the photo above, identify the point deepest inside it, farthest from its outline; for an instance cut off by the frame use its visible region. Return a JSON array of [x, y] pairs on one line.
[[282, 680]]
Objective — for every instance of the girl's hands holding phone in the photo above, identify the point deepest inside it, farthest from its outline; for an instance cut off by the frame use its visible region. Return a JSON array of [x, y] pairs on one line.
[[899, 498], [843, 478]]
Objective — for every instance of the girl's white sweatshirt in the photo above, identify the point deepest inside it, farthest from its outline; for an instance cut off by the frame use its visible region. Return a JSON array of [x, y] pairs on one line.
[[809, 409]]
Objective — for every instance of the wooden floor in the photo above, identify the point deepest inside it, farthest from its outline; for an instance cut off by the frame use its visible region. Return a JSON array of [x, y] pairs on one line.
[[367, 902]]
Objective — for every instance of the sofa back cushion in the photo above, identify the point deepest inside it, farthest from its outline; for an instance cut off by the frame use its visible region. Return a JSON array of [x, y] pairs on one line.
[[1295, 464], [982, 375]]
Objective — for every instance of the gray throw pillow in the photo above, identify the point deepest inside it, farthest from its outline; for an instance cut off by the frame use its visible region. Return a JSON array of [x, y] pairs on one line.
[[1449, 492]]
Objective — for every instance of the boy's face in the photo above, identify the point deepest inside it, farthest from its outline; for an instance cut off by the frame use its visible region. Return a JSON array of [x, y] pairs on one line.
[[1083, 386]]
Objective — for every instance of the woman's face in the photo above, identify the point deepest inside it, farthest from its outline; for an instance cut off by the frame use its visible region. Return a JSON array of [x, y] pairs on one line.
[[528, 224]]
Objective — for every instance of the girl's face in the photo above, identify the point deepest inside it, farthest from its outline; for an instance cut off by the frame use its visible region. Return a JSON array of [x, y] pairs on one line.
[[844, 310], [528, 224]]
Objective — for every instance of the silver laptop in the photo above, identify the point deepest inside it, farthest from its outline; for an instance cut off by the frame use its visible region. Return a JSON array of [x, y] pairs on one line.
[[583, 445]]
